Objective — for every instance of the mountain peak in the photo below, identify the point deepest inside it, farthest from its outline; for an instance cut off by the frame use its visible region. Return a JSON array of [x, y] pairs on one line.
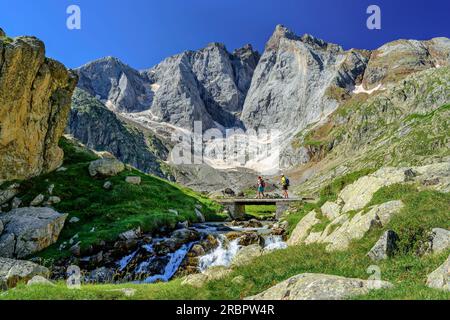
[[281, 32]]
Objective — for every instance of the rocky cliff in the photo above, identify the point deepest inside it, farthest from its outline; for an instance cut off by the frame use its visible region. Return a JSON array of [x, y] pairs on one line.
[[35, 96], [98, 128], [209, 85]]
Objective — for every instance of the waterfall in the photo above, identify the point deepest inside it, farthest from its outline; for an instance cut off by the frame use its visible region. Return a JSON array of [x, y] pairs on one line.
[[172, 266], [273, 242], [222, 255]]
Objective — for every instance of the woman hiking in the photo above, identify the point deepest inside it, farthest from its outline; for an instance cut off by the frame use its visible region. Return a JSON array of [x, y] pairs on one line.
[[261, 188]]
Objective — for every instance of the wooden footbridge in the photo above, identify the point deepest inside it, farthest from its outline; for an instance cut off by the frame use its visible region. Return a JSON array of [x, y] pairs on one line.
[[236, 207]]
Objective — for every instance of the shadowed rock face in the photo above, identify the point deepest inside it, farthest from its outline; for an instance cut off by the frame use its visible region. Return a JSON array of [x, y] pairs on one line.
[[100, 129], [34, 105]]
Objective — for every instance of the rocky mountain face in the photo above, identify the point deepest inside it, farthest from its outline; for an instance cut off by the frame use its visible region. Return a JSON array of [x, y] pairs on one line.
[[299, 80], [34, 105], [98, 128], [302, 86], [209, 85]]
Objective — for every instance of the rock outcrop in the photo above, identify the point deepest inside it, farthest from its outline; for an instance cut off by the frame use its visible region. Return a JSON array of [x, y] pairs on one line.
[[439, 279], [105, 168], [385, 246], [29, 230], [92, 123], [35, 96], [13, 272], [320, 287]]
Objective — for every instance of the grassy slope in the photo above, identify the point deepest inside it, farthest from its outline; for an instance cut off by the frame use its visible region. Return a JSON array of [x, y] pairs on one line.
[[408, 272], [111, 212]]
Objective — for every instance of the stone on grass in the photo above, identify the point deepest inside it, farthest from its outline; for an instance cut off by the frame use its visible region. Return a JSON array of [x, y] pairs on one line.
[[39, 280], [29, 230], [439, 279], [106, 167], [385, 247], [133, 180], [37, 201], [310, 286], [13, 272]]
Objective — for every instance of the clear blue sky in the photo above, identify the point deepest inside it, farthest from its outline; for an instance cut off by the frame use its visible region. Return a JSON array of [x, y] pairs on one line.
[[144, 32]]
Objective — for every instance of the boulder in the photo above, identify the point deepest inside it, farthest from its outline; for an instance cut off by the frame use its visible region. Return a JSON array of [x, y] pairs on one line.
[[199, 215], [133, 180], [331, 210], [309, 286], [302, 229], [439, 279], [100, 275], [37, 200], [13, 272], [9, 193], [185, 235], [29, 230], [211, 274], [40, 281], [107, 185], [74, 220], [15, 203], [50, 189], [247, 254], [53, 200], [130, 234], [440, 240], [385, 247], [106, 167]]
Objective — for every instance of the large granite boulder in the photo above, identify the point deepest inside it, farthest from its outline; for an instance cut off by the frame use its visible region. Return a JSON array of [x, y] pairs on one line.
[[302, 229], [35, 96], [13, 272], [106, 167], [247, 254], [309, 286], [439, 279], [440, 240], [29, 230]]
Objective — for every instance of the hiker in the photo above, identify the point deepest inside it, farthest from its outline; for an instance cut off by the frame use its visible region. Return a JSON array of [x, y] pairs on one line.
[[261, 188], [285, 186]]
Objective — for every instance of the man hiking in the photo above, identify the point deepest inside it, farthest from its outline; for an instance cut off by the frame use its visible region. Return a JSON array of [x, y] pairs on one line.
[[285, 186], [261, 188]]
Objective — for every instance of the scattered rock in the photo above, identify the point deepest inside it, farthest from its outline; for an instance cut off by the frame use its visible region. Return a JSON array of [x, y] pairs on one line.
[[250, 238], [197, 251], [439, 240], [74, 220], [29, 230], [105, 167], [229, 192], [61, 169], [385, 247], [50, 189], [130, 234], [100, 275], [107, 185], [173, 211], [309, 286], [37, 201], [185, 235], [53, 200], [182, 225], [41, 281], [439, 279], [13, 272], [198, 280], [133, 180], [200, 215], [15, 203], [76, 249], [247, 254]]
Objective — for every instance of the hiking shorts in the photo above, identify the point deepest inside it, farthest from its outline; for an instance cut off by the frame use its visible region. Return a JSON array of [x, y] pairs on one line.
[[285, 188]]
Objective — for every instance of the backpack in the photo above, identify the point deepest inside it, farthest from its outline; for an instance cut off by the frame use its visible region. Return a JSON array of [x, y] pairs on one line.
[[288, 183]]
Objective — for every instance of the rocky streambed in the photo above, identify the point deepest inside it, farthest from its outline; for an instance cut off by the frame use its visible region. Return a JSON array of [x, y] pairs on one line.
[[187, 250]]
